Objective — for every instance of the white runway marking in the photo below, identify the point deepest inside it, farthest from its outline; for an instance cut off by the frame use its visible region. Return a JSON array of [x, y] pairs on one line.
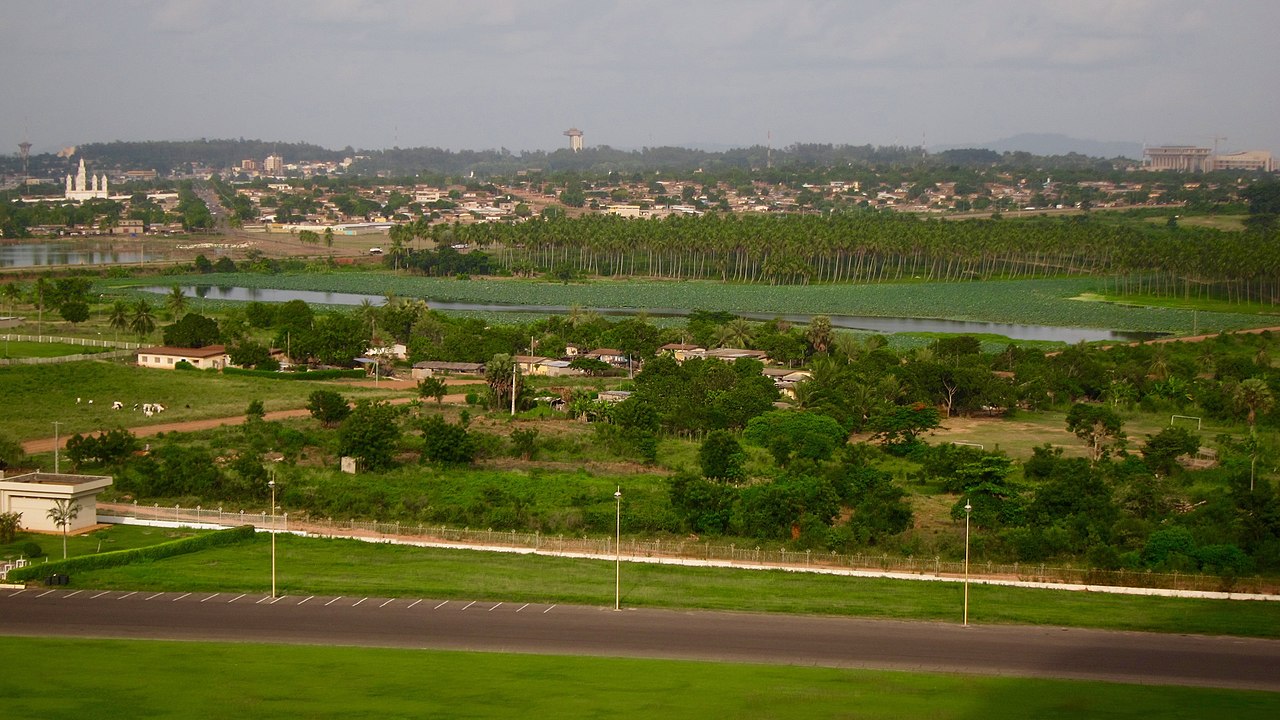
[[446, 602], [415, 602], [73, 594], [305, 599], [95, 597], [494, 607], [181, 596], [360, 601], [544, 612], [211, 597], [387, 603], [473, 602], [236, 598], [46, 592], [135, 592], [153, 597], [522, 607], [333, 601]]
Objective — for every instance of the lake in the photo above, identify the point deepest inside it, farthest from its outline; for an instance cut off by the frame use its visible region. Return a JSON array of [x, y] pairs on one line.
[[848, 322], [41, 254]]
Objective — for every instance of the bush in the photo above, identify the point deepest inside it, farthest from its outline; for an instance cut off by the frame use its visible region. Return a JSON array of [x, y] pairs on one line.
[[32, 550], [124, 557], [312, 375]]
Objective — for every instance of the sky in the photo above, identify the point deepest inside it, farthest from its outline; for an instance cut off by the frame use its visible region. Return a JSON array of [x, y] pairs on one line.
[[516, 74]]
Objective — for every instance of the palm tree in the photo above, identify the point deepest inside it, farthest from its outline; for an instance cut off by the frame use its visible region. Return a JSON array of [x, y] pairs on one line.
[[119, 319], [819, 333], [62, 514], [143, 321], [1253, 396], [176, 301]]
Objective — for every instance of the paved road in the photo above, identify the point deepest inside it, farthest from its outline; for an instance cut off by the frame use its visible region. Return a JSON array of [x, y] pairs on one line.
[[557, 629]]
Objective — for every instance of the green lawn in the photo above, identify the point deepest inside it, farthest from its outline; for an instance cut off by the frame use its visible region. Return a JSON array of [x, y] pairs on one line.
[[274, 681], [116, 537], [349, 567], [22, 349]]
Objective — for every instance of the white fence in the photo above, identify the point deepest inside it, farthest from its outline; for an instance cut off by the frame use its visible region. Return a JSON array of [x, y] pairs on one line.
[[123, 349], [684, 550]]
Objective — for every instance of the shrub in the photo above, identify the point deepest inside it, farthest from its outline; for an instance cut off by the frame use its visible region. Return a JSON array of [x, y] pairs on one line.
[[124, 557], [32, 550]]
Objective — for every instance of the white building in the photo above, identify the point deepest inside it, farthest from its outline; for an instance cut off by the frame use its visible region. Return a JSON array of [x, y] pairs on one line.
[[83, 187], [34, 495]]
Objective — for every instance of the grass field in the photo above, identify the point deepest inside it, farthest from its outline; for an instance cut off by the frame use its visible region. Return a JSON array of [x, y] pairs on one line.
[[116, 537], [20, 349], [272, 681], [350, 567], [48, 392]]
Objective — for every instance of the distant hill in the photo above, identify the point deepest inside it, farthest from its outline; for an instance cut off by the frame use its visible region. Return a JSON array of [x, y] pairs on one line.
[[1051, 144]]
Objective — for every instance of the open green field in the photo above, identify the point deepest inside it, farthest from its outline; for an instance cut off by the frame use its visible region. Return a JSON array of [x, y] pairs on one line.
[[47, 393], [1038, 302], [310, 566], [273, 681], [22, 349], [116, 537]]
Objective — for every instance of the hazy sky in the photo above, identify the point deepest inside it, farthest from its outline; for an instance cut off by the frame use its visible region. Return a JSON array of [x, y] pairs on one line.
[[482, 74]]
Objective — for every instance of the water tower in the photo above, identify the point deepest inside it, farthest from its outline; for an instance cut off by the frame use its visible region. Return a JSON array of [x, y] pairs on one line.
[[575, 139]]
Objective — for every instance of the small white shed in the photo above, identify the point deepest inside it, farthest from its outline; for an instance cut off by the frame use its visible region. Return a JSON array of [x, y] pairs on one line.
[[34, 494]]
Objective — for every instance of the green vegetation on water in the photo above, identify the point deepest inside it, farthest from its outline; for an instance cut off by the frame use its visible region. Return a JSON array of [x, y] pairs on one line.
[[311, 566], [275, 681], [1036, 302]]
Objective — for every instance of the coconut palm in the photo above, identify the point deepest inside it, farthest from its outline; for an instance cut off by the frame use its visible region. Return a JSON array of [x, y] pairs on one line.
[[62, 514], [143, 320], [1253, 396], [175, 302]]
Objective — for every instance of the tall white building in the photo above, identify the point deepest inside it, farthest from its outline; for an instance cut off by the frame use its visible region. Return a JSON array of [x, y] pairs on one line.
[[83, 187], [273, 166]]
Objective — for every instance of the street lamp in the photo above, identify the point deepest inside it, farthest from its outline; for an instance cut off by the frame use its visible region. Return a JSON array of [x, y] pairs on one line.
[[968, 510], [272, 484], [617, 553], [56, 442]]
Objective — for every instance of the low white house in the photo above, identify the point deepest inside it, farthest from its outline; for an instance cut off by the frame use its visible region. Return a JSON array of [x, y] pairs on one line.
[[34, 494], [203, 358]]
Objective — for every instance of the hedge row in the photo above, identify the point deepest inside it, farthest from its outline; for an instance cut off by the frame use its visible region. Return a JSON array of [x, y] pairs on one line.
[[309, 375], [124, 557]]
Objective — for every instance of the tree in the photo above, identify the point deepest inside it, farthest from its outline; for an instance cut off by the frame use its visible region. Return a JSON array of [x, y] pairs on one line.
[[500, 373], [524, 441], [432, 387], [256, 412], [444, 442], [74, 311], [819, 333], [192, 331], [721, 456], [792, 434], [328, 407], [371, 434], [63, 513], [250, 354], [119, 318], [10, 523], [1163, 449], [898, 427], [11, 453], [1253, 396], [1094, 424], [176, 301], [143, 321]]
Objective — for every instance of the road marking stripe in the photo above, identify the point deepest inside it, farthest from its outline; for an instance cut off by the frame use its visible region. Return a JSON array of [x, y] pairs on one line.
[[73, 594], [236, 598], [387, 603], [211, 597], [473, 602], [415, 602], [544, 612], [181, 596], [153, 597], [446, 602], [95, 597], [495, 606], [305, 599], [46, 592], [19, 592], [523, 607], [135, 592], [262, 599], [360, 601], [276, 599], [333, 601]]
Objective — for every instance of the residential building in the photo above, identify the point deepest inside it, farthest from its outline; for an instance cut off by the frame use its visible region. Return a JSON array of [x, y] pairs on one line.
[[213, 357]]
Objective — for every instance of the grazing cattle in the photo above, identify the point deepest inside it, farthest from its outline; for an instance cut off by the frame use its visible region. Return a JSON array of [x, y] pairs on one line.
[[117, 405], [90, 401], [77, 401], [158, 408]]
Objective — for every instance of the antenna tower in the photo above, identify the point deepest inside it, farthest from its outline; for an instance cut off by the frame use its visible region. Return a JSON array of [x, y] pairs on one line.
[[24, 149]]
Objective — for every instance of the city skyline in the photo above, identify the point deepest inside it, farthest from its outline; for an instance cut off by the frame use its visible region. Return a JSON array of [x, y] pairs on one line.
[[512, 75]]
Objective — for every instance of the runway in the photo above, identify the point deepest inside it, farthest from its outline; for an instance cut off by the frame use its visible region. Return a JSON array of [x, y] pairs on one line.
[[489, 626]]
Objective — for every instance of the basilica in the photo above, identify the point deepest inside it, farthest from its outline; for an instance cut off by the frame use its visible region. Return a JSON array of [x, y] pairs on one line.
[[83, 187]]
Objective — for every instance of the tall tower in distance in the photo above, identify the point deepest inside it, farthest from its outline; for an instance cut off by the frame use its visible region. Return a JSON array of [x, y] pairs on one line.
[[575, 139], [24, 150]]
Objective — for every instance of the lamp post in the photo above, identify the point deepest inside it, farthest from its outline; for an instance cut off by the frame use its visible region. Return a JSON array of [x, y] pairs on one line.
[[617, 552], [272, 484], [968, 509], [56, 442]]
